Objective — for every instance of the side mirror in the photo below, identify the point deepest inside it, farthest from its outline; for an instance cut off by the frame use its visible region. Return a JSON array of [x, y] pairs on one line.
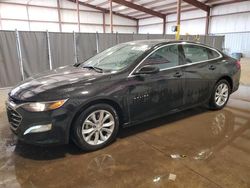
[[148, 69]]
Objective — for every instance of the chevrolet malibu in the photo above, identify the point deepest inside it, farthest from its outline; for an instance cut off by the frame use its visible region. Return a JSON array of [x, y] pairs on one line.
[[122, 86]]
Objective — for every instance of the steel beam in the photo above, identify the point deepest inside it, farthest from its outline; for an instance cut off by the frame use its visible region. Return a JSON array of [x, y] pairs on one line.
[[198, 4], [217, 3], [102, 9], [139, 8]]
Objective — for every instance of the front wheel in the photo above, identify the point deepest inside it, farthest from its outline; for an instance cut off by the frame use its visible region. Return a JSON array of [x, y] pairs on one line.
[[220, 95], [96, 127]]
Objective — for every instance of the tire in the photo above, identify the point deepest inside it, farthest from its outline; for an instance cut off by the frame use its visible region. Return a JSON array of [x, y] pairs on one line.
[[219, 99], [98, 121]]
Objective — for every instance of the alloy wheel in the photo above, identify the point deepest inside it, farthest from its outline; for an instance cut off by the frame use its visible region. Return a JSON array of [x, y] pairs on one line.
[[98, 127], [221, 94]]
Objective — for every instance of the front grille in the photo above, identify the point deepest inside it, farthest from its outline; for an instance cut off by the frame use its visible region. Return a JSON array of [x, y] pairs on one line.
[[14, 117]]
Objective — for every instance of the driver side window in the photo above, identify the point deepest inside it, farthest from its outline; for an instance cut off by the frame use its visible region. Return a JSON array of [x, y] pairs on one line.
[[165, 57]]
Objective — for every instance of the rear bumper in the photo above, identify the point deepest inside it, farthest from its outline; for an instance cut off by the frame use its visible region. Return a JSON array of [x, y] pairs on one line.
[[56, 133], [236, 81]]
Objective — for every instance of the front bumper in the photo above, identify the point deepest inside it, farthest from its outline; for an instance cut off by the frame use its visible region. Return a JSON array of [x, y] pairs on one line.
[[53, 124]]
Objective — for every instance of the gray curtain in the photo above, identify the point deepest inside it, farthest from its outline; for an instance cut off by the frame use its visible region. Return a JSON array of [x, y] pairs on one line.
[[140, 37], [219, 42], [86, 45], [10, 70], [62, 49], [107, 40], [125, 38], [170, 37], [34, 49], [156, 36], [35, 55]]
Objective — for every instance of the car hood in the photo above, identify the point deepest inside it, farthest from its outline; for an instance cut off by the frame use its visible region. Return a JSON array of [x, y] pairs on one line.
[[58, 78]]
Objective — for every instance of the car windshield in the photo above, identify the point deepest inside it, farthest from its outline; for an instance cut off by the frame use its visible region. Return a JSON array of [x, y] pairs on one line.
[[116, 58]]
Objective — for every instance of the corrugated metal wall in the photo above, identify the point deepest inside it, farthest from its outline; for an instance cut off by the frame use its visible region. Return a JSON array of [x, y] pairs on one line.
[[238, 42], [232, 20]]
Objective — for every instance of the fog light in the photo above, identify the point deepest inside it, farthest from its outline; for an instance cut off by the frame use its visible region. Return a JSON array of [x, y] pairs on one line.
[[38, 129]]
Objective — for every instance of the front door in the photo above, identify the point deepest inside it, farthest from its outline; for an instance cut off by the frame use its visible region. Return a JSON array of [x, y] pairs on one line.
[[153, 95]]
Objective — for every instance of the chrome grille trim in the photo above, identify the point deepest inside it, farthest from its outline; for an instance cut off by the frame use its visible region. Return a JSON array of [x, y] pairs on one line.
[[14, 117]]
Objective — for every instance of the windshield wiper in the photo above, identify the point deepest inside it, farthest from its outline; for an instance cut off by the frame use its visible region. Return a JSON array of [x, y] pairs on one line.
[[97, 69], [77, 64]]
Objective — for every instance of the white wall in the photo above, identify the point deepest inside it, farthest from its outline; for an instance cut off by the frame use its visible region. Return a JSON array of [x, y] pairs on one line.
[[237, 22], [235, 27], [14, 14], [193, 22], [231, 20], [151, 25]]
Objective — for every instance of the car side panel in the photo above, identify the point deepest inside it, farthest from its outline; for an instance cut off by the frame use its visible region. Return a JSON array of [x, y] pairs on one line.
[[155, 95], [200, 80]]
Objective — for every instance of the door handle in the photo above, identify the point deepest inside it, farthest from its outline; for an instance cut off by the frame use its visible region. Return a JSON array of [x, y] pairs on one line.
[[178, 74], [212, 67]]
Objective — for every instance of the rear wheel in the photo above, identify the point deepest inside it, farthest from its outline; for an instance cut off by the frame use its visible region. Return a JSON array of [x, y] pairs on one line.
[[96, 127], [220, 95]]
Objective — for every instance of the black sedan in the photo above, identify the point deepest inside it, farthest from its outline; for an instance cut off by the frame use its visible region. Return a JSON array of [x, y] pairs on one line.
[[122, 86]]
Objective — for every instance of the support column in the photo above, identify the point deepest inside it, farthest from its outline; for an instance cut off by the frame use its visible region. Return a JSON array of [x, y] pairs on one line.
[[207, 22], [111, 16], [177, 36], [78, 16], [103, 22], [75, 48], [97, 42], [137, 26], [59, 15], [0, 22], [117, 38], [28, 16], [164, 25], [49, 50], [19, 53]]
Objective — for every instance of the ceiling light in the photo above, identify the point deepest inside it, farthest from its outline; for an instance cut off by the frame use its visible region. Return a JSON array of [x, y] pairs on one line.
[[121, 7]]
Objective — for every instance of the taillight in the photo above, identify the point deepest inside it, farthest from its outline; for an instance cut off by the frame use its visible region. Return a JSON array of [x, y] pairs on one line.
[[238, 64]]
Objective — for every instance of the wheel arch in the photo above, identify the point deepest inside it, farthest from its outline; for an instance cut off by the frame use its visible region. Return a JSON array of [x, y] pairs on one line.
[[227, 78], [110, 102]]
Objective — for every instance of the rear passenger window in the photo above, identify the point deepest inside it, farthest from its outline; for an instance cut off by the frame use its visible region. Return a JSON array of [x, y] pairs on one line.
[[212, 54], [195, 53]]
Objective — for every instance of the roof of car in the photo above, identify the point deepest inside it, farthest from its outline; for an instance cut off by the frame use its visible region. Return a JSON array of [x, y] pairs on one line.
[[153, 42]]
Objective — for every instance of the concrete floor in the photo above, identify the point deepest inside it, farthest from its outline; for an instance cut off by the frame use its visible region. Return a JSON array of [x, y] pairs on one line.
[[194, 148], [245, 71]]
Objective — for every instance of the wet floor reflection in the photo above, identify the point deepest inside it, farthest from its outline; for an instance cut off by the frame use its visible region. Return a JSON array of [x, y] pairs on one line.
[[194, 148]]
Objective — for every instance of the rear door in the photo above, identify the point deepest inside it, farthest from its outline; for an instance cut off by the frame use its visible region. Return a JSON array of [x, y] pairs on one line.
[[200, 71]]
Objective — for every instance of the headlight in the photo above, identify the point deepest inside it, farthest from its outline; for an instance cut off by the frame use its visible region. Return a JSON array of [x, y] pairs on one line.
[[43, 106]]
